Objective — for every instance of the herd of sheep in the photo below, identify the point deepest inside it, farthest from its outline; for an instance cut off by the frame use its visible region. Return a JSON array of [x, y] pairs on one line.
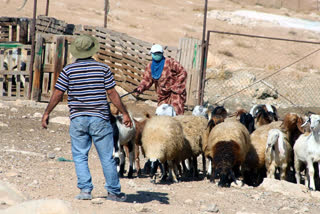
[[242, 147]]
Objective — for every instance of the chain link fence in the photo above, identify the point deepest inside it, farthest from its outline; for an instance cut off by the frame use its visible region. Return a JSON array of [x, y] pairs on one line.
[[243, 70]]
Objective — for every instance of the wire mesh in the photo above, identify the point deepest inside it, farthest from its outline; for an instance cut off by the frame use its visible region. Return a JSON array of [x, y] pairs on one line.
[[247, 69]]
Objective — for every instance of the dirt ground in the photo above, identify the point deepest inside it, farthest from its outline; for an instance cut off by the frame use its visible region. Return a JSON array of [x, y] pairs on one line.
[[29, 154], [29, 159]]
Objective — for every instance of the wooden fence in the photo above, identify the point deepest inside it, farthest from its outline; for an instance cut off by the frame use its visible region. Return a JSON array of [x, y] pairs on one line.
[[15, 29], [126, 55], [14, 71]]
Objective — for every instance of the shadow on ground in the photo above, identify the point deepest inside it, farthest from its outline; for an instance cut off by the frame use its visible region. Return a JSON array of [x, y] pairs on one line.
[[145, 197]]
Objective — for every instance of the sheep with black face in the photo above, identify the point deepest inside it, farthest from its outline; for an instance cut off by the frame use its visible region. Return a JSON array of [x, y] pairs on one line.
[[228, 145]]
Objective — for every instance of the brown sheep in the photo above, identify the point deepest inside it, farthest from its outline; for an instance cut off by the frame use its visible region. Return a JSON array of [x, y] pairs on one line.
[[193, 128], [138, 143], [228, 145]]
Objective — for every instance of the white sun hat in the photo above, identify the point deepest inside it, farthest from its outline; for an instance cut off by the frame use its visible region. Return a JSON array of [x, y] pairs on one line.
[[156, 48]]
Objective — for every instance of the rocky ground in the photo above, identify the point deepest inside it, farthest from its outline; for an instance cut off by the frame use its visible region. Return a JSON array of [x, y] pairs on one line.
[[36, 162]]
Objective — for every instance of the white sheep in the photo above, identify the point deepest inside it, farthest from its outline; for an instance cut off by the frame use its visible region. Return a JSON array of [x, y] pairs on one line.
[[278, 153], [163, 140], [307, 150], [165, 110], [200, 111]]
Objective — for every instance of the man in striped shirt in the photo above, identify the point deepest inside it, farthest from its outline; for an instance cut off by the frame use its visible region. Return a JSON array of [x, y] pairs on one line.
[[86, 82]]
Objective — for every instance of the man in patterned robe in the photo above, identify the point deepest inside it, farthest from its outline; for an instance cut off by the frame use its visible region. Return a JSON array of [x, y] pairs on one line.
[[169, 78]]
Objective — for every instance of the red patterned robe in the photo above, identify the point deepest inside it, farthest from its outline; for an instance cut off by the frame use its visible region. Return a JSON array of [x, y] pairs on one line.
[[170, 87]]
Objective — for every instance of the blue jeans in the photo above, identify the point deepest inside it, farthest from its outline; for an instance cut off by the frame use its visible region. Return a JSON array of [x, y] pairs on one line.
[[84, 130]]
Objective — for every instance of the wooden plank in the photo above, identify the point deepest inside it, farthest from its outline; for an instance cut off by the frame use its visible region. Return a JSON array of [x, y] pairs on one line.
[[26, 87], [45, 83], [1, 75], [48, 68], [18, 89], [36, 89], [7, 72], [9, 77], [110, 54], [10, 34], [58, 59]]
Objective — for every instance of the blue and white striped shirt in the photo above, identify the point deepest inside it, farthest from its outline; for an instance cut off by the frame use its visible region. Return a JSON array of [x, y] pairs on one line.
[[86, 82]]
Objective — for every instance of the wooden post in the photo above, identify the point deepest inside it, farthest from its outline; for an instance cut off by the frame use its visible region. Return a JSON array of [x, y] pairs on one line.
[[106, 10], [1, 75], [23, 33], [36, 83], [47, 8], [58, 58], [33, 34]]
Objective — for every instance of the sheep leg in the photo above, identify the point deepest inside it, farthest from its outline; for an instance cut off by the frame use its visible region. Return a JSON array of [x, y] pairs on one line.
[[184, 167], [204, 164], [147, 167], [154, 166], [195, 167], [297, 169], [283, 171], [137, 159], [131, 160], [122, 162], [272, 171], [164, 171], [209, 167], [311, 175], [172, 174], [212, 176]]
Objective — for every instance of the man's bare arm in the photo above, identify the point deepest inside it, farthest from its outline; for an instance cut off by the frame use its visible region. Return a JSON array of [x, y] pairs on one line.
[[115, 99], [54, 100]]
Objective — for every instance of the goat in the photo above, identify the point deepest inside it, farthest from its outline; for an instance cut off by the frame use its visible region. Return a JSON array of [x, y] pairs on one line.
[[255, 160], [122, 136], [278, 153], [165, 110], [264, 114], [307, 150], [138, 144]]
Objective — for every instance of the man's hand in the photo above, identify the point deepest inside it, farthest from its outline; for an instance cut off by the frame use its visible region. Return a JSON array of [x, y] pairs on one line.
[[127, 120], [137, 91], [54, 100], [45, 120]]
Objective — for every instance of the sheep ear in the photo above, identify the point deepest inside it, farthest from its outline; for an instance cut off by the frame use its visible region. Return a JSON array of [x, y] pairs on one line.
[[211, 124]]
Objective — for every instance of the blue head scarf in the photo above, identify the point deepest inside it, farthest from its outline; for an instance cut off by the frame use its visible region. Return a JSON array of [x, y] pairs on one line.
[[157, 67]]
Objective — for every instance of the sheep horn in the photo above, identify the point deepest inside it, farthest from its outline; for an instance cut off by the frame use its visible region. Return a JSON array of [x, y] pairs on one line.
[[23, 4], [305, 123]]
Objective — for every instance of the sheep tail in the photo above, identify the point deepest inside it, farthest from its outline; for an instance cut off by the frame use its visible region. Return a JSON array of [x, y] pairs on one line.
[[281, 143]]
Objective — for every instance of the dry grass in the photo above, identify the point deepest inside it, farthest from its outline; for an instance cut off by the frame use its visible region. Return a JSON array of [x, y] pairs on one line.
[[219, 74], [243, 45]]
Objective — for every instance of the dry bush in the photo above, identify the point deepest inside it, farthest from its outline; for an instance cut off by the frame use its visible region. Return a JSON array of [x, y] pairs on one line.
[[226, 53]]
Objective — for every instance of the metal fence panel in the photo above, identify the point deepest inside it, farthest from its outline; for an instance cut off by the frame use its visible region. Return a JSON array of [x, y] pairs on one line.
[[248, 69]]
